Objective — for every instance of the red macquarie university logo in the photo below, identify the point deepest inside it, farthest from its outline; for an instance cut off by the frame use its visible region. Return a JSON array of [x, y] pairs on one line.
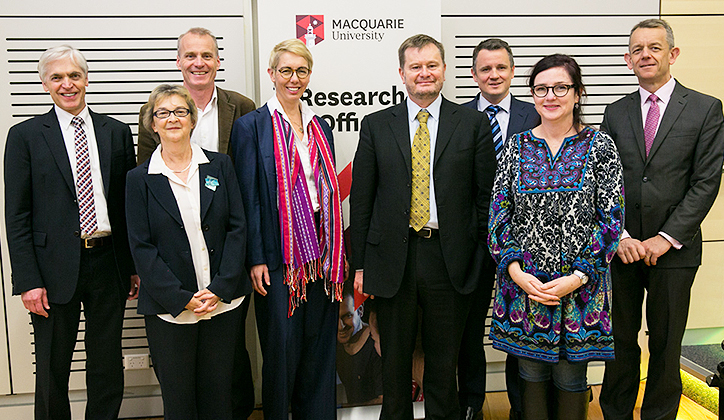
[[310, 29]]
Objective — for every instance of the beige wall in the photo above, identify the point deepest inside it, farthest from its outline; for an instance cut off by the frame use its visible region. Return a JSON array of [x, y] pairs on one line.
[[700, 37]]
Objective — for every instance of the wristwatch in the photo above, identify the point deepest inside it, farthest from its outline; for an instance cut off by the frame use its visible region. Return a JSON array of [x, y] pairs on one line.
[[581, 275]]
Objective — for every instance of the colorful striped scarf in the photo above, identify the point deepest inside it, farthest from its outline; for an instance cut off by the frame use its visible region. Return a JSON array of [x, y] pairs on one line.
[[308, 254]]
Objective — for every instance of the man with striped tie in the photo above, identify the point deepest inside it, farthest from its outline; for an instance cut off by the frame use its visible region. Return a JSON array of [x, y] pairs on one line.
[[65, 177], [493, 69]]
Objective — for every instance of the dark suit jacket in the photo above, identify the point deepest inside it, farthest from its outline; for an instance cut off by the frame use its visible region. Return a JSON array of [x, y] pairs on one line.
[[464, 166], [232, 105], [523, 115], [161, 249], [41, 208], [252, 141], [673, 189]]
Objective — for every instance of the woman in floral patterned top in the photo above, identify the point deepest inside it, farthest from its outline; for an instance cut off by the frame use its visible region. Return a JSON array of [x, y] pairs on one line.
[[555, 221]]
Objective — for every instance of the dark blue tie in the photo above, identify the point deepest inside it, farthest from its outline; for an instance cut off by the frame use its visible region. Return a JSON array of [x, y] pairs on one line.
[[492, 110]]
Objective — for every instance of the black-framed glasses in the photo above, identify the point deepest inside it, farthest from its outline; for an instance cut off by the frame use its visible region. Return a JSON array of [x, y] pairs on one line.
[[287, 72], [162, 114], [559, 91]]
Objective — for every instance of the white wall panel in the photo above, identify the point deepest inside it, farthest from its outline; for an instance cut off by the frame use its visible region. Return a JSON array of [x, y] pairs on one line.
[[127, 57]]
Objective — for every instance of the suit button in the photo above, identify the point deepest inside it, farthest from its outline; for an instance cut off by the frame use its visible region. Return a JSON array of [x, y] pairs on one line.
[[645, 179], [406, 212], [637, 206], [211, 252], [404, 240], [76, 234], [205, 228]]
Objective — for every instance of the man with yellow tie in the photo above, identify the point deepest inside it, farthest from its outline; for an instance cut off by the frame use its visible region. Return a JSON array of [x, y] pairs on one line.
[[422, 177]]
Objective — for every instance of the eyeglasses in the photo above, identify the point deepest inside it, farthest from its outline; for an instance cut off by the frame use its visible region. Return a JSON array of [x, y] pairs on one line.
[[287, 72], [162, 114], [559, 91]]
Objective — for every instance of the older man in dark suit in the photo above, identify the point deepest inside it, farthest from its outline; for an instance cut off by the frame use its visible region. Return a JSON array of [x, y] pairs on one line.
[[422, 177], [493, 70], [671, 142], [197, 56], [65, 177]]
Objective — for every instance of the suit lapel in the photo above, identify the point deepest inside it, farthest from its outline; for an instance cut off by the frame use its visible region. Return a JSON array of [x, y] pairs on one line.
[[54, 138], [673, 110], [449, 119], [103, 143], [637, 124], [517, 118], [209, 170], [400, 127], [226, 116], [159, 186]]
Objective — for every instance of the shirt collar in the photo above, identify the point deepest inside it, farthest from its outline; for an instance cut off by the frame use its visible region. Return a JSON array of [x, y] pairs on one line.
[[65, 117], [433, 109], [274, 105], [664, 93], [157, 166], [504, 104]]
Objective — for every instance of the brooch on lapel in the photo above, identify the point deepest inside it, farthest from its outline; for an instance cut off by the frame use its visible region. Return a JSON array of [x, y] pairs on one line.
[[211, 182]]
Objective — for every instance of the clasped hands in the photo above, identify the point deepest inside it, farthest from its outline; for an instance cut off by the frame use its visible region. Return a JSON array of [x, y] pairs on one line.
[[549, 293], [203, 302], [631, 250]]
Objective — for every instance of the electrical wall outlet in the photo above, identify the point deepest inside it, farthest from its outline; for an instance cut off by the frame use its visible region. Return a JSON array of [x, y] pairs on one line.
[[135, 361]]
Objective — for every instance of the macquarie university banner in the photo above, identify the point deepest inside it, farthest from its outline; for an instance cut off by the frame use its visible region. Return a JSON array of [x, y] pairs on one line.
[[354, 46]]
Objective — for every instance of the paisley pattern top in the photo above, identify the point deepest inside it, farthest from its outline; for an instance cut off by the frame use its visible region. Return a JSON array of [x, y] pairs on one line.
[[554, 215]]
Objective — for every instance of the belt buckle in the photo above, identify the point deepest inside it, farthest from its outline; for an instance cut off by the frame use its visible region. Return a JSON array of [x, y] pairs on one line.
[[87, 244], [426, 233]]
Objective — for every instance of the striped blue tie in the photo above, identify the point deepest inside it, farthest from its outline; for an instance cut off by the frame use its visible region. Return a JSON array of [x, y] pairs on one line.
[[492, 110]]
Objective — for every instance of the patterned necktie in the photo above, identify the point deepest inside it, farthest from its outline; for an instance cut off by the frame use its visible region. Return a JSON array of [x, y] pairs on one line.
[[652, 121], [84, 182], [492, 111], [420, 202]]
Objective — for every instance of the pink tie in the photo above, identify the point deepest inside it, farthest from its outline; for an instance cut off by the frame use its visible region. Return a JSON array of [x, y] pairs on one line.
[[652, 121], [84, 182]]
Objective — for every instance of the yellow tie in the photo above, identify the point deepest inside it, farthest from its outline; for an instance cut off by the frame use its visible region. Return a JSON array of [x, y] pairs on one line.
[[420, 202]]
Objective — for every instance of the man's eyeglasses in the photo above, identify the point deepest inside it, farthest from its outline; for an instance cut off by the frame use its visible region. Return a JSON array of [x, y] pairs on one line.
[[287, 72], [162, 114], [559, 91]]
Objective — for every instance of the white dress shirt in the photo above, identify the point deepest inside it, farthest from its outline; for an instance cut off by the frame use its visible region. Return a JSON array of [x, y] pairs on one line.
[[307, 114], [503, 116], [188, 199], [433, 122], [99, 197], [206, 132]]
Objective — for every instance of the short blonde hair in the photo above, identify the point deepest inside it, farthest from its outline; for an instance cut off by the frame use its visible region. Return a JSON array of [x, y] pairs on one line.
[[293, 46], [162, 92]]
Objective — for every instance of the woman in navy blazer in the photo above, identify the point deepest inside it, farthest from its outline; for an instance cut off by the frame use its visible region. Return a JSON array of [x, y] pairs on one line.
[[187, 232], [296, 297]]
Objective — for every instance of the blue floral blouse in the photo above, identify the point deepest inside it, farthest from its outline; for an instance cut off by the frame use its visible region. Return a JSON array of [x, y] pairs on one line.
[[556, 214]]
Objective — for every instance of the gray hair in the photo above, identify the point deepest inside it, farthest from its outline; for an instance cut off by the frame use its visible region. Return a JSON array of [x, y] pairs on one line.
[[199, 32], [56, 53], [656, 23]]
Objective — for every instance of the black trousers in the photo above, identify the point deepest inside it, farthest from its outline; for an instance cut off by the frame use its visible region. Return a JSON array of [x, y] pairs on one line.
[[425, 285], [471, 361], [193, 364], [667, 308], [299, 352], [102, 297]]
